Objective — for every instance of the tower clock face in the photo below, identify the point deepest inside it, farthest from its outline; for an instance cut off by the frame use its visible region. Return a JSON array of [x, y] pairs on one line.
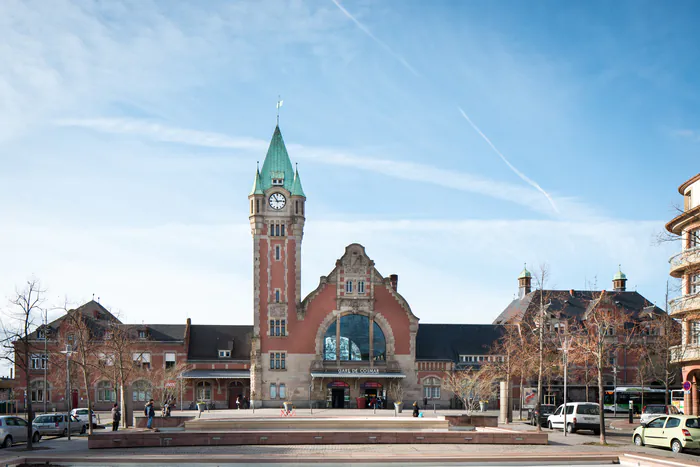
[[277, 201]]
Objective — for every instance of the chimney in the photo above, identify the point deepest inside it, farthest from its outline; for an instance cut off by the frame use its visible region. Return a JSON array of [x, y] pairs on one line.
[[394, 279], [571, 292], [187, 335]]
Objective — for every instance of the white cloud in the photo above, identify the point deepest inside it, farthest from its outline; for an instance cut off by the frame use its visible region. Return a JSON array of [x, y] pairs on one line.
[[448, 178]]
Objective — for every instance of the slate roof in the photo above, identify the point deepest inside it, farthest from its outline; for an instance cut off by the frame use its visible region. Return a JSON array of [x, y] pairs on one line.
[[449, 341], [573, 306], [206, 340], [164, 332], [96, 316]]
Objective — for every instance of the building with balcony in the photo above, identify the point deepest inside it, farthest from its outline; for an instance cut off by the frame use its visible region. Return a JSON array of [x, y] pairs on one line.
[[685, 266]]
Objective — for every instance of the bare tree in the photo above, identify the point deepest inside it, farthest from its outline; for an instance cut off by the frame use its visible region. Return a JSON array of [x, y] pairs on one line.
[[505, 354], [665, 346], [396, 391], [471, 386], [603, 331], [17, 325], [541, 278], [165, 383], [117, 366]]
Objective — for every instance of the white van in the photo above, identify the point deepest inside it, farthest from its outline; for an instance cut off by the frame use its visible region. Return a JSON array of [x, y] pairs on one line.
[[579, 416]]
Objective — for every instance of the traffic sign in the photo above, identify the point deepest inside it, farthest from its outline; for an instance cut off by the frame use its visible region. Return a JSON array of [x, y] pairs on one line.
[[686, 386]]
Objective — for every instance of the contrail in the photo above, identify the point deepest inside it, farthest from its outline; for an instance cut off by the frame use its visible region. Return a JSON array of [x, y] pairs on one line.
[[378, 41], [517, 172]]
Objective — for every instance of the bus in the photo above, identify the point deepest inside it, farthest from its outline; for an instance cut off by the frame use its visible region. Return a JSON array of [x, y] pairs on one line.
[[678, 399], [622, 396]]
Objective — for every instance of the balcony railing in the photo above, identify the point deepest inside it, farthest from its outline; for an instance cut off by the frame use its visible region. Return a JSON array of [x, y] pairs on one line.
[[682, 260], [685, 353], [684, 304]]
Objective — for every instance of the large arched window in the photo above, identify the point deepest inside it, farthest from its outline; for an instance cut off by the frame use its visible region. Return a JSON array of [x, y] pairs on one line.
[[141, 391], [353, 332]]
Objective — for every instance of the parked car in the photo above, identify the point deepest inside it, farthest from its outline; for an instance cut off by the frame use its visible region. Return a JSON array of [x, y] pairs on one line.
[[579, 416], [14, 430], [545, 411], [82, 415], [677, 432], [651, 411], [57, 424]]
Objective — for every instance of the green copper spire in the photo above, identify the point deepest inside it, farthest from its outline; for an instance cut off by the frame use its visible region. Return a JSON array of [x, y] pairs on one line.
[[297, 190], [619, 275], [277, 165], [525, 273], [257, 184]]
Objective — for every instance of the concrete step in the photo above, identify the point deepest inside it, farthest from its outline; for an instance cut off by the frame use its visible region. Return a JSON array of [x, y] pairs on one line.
[[307, 423]]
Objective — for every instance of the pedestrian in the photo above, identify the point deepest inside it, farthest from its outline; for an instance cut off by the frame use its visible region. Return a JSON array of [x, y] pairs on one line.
[[116, 417], [238, 402], [425, 403], [415, 409], [245, 402], [150, 412]]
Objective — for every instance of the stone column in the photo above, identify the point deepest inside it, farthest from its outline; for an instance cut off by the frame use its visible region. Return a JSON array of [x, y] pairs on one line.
[[506, 414], [694, 394]]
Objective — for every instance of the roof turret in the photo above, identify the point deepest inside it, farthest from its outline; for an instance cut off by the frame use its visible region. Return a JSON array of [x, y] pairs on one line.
[[525, 273], [297, 190], [257, 184], [619, 275]]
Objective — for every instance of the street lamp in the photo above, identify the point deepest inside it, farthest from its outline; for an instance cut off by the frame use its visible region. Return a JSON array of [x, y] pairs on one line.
[[45, 359], [614, 370], [69, 352], [565, 357]]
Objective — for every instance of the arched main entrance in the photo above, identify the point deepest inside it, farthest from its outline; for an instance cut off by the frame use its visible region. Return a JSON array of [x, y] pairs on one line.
[[236, 389]]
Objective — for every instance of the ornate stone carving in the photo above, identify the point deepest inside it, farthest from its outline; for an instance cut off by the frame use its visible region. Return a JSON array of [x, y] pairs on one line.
[[277, 310], [356, 305]]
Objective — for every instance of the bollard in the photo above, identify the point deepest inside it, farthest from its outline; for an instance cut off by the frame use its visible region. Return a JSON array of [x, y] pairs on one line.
[[630, 414]]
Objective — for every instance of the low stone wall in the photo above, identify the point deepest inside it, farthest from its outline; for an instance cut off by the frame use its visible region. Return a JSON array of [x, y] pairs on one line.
[[472, 420], [141, 421], [297, 437]]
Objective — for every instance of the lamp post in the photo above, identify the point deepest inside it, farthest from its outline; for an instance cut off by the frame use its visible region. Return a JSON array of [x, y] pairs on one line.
[[614, 370], [45, 359], [69, 352], [565, 357]]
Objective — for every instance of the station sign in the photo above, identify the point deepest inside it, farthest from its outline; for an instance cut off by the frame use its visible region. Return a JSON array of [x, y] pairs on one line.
[[355, 371]]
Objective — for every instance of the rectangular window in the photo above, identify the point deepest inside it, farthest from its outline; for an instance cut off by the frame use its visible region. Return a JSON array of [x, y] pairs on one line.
[[277, 230], [169, 360], [272, 361], [39, 361], [142, 359], [284, 365], [296, 207], [257, 205], [277, 252], [694, 284], [277, 295], [272, 327], [694, 238], [277, 327], [283, 328], [142, 334], [348, 287], [360, 287], [40, 334], [273, 391], [695, 332], [283, 391], [224, 353], [272, 230], [426, 392], [283, 230], [436, 392], [278, 361]]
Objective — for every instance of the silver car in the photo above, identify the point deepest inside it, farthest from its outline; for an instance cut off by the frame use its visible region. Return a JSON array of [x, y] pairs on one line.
[[14, 430], [57, 424]]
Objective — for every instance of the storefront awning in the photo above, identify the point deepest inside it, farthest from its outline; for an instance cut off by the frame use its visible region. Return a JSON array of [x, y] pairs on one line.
[[221, 374], [357, 375]]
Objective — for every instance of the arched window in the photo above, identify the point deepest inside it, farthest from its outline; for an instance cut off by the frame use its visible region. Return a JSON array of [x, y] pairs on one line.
[[38, 393], [354, 340], [141, 391], [431, 387], [105, 392], [203, 391]]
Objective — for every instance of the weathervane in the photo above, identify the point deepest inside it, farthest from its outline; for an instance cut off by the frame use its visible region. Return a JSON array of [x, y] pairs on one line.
[[279, 104]]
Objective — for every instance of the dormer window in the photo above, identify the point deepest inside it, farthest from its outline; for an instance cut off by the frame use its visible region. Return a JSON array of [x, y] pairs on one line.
[[277, 181], [40, 334], [142, 334], [224, 354]]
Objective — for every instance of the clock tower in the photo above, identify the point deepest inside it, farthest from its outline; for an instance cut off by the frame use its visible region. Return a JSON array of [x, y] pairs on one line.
[[277, 206]]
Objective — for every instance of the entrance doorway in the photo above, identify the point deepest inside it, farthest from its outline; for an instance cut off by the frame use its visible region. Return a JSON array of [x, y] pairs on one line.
[[373, 394], [338, 395], [74, 399], [338, 398], [236, 389]]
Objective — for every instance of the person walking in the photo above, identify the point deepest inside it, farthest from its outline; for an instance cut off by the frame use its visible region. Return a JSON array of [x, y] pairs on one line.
[[116, 417], [150, 412], [238, 402], [416, 411]]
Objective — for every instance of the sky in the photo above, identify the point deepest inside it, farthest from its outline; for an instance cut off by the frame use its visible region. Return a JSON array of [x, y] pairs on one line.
[[455, 140]]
